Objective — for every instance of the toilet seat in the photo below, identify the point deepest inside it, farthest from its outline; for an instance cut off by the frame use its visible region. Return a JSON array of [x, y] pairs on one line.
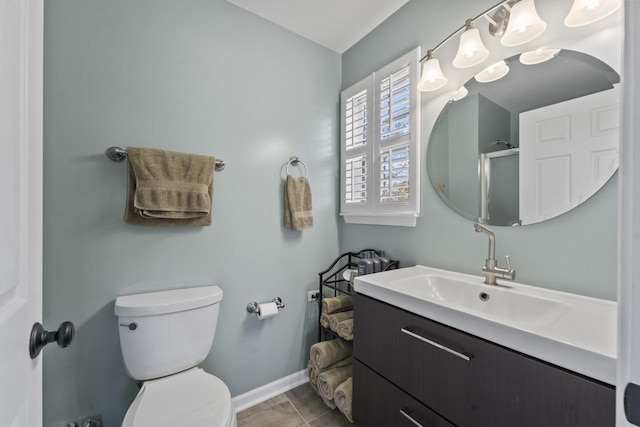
[[192, 398]]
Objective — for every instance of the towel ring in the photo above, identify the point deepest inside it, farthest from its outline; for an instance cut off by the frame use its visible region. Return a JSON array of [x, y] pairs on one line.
[[294, 160]]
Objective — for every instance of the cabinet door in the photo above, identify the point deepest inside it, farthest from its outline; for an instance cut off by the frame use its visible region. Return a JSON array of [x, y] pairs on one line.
[[472, 382], [380, 404]]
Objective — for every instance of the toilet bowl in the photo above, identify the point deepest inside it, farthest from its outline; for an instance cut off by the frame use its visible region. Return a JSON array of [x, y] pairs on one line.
[[164, 336]]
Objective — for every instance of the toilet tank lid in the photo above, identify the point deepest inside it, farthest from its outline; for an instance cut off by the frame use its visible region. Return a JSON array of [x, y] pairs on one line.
[[167, 301]]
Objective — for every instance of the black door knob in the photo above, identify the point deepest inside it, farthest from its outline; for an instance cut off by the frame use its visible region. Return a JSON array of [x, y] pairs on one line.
[[39, 337]]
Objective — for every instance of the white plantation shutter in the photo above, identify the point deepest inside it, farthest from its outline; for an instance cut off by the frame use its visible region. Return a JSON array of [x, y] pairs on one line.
[[380, 146], [394, 174], [356, 120]]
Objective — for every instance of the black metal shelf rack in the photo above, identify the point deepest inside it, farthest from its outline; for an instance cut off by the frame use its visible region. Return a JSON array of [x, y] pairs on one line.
[[332, 280]]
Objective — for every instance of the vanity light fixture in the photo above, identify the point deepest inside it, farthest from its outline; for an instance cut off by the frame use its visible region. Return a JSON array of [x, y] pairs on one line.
[[493, 72], [515, 21], [538, 56], [471, 51], [432, 77], [524, 24], [584, 12], [459, 94]]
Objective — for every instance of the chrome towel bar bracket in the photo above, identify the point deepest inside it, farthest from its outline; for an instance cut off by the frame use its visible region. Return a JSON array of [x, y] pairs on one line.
[[118, 154], [295, 161]]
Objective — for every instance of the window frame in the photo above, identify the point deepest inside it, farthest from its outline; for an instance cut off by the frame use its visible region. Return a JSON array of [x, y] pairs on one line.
[[375, 211]]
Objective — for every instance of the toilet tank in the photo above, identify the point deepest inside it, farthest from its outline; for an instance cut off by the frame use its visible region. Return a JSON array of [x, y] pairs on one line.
[[165, 332]]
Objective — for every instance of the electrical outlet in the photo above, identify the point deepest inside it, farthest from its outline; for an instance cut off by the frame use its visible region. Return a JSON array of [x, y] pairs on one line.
[[312, 296]]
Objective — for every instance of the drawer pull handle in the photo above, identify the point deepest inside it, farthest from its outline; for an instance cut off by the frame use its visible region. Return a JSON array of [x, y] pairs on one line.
[[405, 413], [435, 344]]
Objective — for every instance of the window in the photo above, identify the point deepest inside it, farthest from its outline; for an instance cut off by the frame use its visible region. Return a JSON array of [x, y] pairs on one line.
[[380, 137]]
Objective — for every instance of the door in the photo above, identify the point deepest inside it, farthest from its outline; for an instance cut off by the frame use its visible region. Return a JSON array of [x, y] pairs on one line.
[[21, 32], [567, 152], [629, 227]]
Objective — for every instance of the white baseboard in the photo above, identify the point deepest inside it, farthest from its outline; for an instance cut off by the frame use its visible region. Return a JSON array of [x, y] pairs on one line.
[[267, 391]]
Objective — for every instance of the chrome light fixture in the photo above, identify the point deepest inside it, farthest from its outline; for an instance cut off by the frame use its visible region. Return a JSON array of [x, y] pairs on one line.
[[471, 51], [432, 77], [538, 56], [584, 12], [524, 24], [493, 72]]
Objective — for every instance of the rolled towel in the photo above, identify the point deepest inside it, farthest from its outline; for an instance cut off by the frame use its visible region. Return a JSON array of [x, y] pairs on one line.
[[336, 318], [343, 398], [314, 371], [330, 403], [313, 375], [335, 304], [344, 329], [332, 378], [324, 319], [327, 353]]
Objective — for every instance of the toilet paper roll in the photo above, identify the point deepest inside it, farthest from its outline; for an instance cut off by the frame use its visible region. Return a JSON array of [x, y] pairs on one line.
[[267, 309]]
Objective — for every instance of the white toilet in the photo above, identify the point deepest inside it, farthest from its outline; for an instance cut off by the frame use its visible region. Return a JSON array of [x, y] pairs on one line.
[[164, 336]]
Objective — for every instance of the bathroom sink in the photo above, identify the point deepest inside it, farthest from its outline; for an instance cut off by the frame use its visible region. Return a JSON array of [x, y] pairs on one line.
[[572, 331], [496, 302]]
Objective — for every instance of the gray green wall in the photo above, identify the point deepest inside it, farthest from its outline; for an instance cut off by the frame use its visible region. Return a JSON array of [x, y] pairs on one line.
[[199, 76], [575, 252]]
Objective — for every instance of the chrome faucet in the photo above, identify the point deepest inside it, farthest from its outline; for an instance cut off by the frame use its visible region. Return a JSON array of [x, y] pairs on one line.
[[490, 270]]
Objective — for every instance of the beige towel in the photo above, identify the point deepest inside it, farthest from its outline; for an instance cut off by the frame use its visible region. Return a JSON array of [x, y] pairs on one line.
[[343, 398], [339, 303], [327, 353], [313, 375], [344, 329], [168, 188], [324, 320], [330, 403], [332, 378], [336, 318], [298, 212]]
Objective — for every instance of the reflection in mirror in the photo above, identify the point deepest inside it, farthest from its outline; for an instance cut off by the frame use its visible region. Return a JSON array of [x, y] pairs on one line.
[[531, 145]]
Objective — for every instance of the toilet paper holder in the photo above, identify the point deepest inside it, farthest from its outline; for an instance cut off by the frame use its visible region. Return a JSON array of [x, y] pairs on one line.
[[254, 307]]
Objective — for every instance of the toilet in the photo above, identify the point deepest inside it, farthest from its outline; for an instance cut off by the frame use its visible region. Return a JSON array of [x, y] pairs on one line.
[[164, 336]]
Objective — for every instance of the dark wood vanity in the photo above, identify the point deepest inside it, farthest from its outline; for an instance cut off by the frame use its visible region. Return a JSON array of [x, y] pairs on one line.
[[412, 371]]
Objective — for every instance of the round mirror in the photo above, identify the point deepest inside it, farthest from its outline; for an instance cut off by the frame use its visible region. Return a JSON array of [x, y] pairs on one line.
[[531, 145]]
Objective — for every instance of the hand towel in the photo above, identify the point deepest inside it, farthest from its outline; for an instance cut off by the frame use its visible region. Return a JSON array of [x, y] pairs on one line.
[[336, 318], [339, 303], [332, 378], [168, 188], [327, 353], [343, 398], [297, 203], [344, 329]]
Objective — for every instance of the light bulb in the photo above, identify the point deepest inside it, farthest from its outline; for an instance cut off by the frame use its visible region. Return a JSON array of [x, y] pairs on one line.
[[585, 12], [471, 50], [538, 56], [432, 77], [493, 72], [524, 24]]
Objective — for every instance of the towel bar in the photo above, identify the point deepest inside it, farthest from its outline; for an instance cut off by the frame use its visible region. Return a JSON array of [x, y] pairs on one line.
[[294, 160], [118, 154]]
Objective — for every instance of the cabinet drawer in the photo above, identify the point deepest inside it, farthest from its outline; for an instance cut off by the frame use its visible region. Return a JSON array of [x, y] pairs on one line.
[[381, 404], [472, 382]]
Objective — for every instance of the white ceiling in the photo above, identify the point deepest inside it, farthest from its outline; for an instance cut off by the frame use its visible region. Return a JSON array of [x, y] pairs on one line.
[[336, 24]]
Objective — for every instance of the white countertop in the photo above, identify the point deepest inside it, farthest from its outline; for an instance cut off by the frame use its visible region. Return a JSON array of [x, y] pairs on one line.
[[582, 337]]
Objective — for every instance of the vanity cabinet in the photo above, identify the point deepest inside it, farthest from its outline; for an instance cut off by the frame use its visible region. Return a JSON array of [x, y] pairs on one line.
[[406, 361]]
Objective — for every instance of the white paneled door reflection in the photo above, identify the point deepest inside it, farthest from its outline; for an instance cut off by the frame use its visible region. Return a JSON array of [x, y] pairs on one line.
[[567, 152]]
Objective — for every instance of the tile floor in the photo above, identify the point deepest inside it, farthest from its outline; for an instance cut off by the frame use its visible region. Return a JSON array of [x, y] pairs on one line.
[[296, 408]]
